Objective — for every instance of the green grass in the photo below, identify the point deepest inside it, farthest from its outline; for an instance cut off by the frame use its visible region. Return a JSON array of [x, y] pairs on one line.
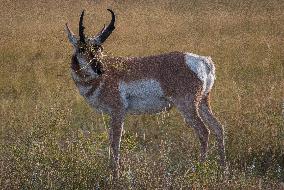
[[51, 139]]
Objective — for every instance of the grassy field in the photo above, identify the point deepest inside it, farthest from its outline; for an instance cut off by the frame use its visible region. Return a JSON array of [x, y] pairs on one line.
[[51, 139]]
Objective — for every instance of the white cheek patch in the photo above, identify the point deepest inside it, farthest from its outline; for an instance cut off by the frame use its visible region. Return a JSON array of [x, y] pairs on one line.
[[85, 66], [203, 67]]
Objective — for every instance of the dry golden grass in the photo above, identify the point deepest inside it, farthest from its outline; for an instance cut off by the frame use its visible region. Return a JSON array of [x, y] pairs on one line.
[[51, 139]]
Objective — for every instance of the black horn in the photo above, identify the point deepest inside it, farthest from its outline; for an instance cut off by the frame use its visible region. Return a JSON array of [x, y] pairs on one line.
[[106, 31], [81, 28]]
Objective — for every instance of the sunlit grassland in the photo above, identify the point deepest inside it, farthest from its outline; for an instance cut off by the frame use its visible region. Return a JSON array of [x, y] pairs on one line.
[[50, 138]]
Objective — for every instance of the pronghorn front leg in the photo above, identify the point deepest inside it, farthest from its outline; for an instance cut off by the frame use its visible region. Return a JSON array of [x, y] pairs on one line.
[[115, 133]]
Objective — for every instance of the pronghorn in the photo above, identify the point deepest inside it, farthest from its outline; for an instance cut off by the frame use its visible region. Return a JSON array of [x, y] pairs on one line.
[[137, 85]]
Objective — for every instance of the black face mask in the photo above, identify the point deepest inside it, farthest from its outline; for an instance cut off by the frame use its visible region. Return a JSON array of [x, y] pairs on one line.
[[96, 67]]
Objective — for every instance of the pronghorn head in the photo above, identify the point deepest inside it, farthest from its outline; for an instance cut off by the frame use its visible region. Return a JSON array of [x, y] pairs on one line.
[[88, 51]]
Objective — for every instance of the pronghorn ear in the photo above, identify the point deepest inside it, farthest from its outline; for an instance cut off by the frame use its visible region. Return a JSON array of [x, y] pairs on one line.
[[71, 36]]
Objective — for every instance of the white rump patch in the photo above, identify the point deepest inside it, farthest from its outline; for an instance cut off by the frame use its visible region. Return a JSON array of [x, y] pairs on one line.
[[143, 96], [203, 67]]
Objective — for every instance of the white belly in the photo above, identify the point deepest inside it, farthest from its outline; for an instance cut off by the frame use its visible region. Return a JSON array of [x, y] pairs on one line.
[[143, 96]]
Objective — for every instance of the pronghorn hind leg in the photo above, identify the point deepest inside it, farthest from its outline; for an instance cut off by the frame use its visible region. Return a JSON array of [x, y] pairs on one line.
[[189, 109], [115, 133], [214, 125]]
